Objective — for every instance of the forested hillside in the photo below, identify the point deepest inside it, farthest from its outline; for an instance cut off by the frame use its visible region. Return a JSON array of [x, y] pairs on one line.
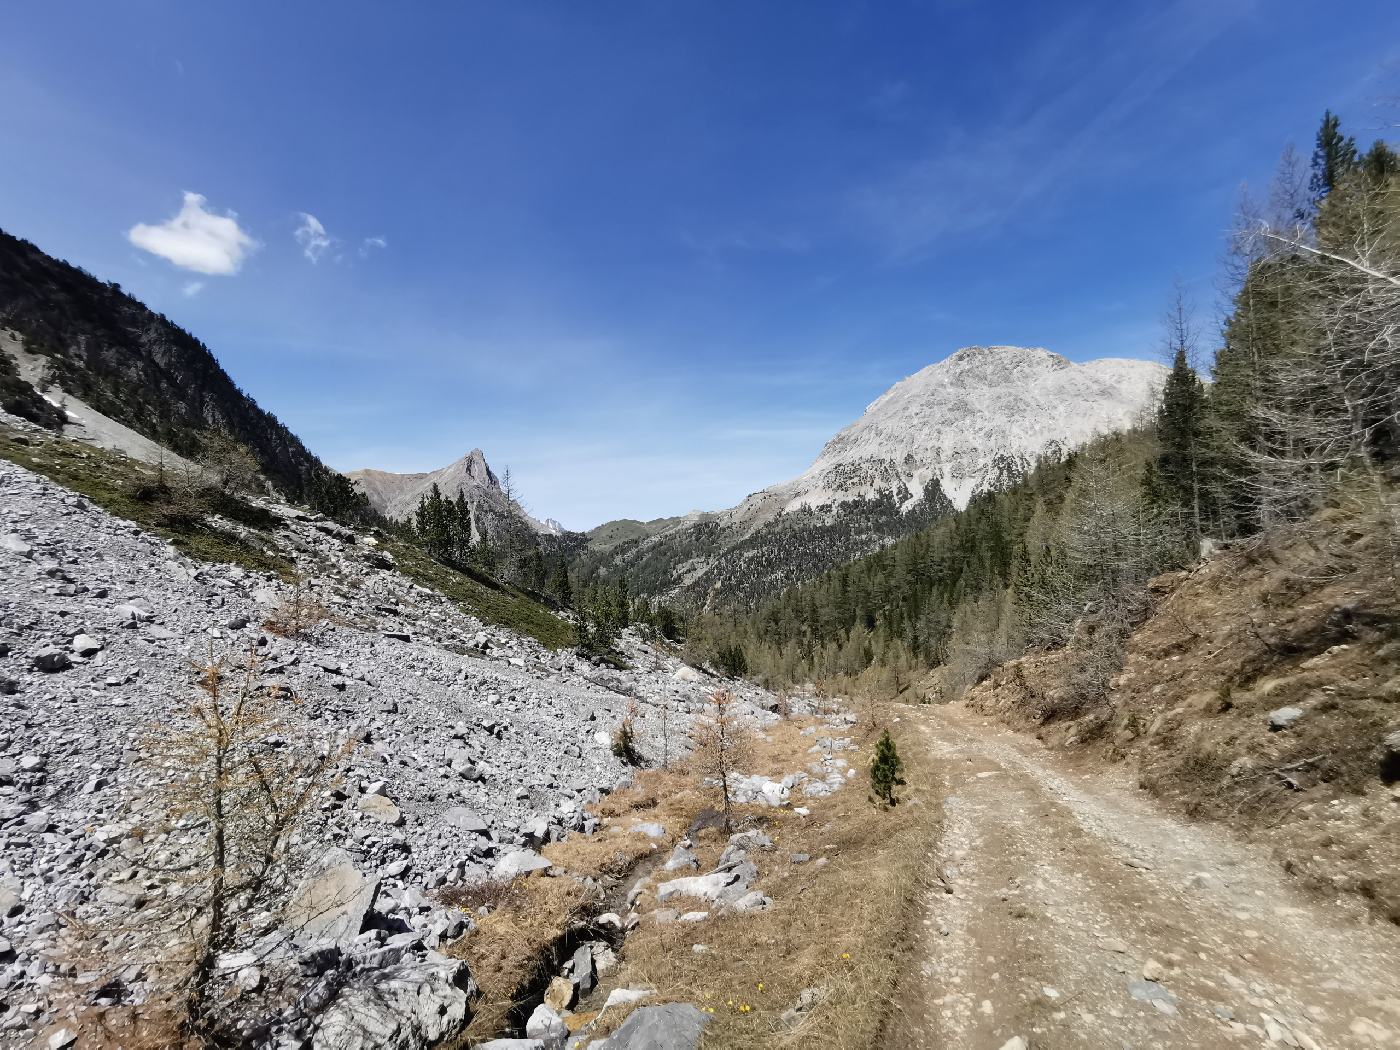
[[146, 372], [1303, 404], [716, 562]]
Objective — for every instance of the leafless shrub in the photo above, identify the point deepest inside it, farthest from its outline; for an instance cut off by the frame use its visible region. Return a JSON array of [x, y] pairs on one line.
[[231, 781], [722, 742], [229, 464], [296, 615]]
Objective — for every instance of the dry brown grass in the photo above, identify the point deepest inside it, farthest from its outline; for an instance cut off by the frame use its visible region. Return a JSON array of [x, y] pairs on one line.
[[839, 926], [511, 946]]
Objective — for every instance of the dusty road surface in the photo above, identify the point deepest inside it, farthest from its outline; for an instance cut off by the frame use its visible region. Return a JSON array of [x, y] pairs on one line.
[[1070, 910]]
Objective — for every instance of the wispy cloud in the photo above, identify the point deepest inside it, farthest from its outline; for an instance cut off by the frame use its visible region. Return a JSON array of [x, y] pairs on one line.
[[192, 288], [312, 237], [975, 179], [715, 246], [197, 239], [318, 243]]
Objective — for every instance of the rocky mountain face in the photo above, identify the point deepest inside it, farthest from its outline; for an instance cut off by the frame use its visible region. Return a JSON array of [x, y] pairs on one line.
[[966, 422], [133, 366], [495, 514], [468, 747], [926, 446]]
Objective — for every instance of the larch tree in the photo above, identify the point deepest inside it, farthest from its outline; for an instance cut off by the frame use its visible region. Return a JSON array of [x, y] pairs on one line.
[[722, 744]]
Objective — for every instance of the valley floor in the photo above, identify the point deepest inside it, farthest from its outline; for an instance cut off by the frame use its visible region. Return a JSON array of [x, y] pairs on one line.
[[1067, 909]]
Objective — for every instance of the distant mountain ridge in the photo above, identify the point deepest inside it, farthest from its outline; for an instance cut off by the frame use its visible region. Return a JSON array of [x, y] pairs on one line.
[[494, 511], [926, 446]]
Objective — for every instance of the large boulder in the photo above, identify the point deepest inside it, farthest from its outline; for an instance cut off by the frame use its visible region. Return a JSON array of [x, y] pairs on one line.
[[51, 659], [521, 862], [674, 1026], [583, 969], [708, 887], [331, 902], [547, 1026], [463, 819], [379, 808], [417, 1004], [15, 545], [682, 857]]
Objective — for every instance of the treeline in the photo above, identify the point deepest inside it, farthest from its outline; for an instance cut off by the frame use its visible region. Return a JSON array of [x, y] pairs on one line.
[[493, 543], [1303, 402], [605, 608], [448, 530], [744, 570]]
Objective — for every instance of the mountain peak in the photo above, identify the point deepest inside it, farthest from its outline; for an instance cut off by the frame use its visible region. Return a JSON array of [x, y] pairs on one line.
[[474, 466], [962, 419], [999, 351]]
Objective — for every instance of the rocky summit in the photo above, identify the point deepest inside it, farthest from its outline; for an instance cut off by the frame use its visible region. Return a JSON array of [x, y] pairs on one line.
[[398, 495]]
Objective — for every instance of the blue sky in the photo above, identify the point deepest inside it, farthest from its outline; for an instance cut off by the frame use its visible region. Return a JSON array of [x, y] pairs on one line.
[[653, 254]]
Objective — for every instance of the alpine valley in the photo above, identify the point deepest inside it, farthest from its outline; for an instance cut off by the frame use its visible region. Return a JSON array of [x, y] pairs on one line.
[[1056, 704]]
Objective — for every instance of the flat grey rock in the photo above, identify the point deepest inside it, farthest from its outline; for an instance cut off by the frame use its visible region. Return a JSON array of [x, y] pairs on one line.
[[463, 819], [331, 903], [673, 1026], [521, 862]]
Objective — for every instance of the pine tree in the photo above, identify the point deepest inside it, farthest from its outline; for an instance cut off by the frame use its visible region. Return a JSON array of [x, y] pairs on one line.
[[885, 770], [558, 585], [1333, 158], [1181, 422], [1380, 162]]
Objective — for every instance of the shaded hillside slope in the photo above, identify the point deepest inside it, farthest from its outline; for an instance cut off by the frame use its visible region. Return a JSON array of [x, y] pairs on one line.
[[146, 372], [1262, 690]]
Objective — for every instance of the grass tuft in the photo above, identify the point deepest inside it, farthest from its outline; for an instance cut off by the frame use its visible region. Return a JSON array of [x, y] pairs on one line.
[[486, 599]]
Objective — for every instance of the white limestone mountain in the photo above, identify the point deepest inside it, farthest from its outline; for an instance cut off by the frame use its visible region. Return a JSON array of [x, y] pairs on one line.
[[924, 447], [962, 422], [397, 495]]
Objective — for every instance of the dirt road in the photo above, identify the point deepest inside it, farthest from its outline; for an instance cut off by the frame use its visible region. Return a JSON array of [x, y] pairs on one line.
[[1070, 910]]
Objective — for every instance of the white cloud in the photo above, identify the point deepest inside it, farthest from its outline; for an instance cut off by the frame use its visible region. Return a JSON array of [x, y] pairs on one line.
[[192, 288], [197, 239], [312, 237], [371, 243]]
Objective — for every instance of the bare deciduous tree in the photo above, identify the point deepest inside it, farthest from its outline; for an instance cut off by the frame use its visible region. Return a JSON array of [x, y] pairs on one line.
[[231, 781], [1334, 409], [722, 741], [229, 463]]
